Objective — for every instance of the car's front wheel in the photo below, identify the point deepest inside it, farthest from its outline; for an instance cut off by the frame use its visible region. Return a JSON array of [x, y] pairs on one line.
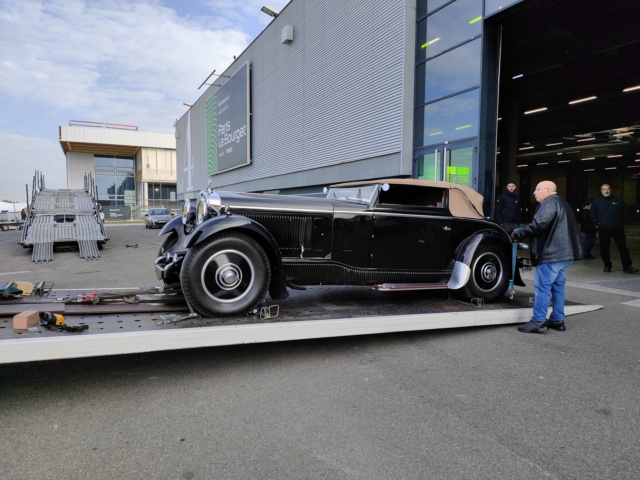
[[225, 275], [489, 278]]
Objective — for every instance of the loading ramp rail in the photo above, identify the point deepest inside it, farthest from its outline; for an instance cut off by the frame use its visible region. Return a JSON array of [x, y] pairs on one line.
[[63, 217], [116, 328]]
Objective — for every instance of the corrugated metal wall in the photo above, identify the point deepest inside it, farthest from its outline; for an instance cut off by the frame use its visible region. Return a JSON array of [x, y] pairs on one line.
[[333, 96]]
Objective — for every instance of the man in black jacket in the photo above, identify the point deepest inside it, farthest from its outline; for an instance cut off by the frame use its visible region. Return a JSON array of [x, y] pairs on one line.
[[607, 213], [555, 244], [508, 208]]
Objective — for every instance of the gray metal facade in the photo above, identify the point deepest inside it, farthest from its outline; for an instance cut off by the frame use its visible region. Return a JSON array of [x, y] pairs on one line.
[[335, 104]]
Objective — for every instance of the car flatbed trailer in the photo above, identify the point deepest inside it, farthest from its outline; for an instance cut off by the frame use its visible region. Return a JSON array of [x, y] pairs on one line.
[[126, 321]]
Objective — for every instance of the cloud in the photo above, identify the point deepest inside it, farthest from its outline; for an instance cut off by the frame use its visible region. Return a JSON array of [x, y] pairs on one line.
[[112, 61], [21, 156], [111, 57]]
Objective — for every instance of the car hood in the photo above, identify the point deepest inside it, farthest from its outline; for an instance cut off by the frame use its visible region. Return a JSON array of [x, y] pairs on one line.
[[286, 203]]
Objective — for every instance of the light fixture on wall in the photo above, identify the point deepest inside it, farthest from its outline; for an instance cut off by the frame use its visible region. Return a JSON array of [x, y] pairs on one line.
[[287, 34], [269, 11]]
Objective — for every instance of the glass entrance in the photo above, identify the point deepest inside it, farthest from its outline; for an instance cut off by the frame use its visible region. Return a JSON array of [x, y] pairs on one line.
[[451, 163]]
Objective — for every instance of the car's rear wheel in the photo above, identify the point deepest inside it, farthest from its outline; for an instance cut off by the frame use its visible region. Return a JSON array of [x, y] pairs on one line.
[[489, 278], [225, 275]]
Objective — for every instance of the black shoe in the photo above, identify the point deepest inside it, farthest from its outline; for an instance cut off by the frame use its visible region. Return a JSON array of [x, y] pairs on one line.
[[630, 270], [589, 257], [559, 326], [533, 327], [607, 269]]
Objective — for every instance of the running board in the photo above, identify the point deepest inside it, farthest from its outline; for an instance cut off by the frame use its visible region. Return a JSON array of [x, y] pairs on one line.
[[399, 287]]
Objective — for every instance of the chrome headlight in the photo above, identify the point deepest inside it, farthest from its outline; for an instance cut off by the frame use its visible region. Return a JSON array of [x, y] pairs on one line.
[[188, 212], [208, 206]]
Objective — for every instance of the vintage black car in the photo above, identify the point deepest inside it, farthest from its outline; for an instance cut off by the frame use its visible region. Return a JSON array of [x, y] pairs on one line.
[[229, 248]]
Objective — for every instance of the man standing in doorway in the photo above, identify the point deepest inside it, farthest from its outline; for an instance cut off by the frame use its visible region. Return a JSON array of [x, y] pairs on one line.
[[555, 244], [607, 213], [508, 208]]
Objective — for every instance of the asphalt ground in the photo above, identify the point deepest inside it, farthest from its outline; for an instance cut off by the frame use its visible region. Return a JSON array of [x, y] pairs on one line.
[[475, 403]]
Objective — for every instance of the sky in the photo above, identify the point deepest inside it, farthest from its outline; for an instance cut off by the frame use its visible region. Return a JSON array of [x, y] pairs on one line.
[[116, 61]]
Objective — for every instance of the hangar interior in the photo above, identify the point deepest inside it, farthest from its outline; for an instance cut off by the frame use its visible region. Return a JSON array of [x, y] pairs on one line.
[[569, 98]]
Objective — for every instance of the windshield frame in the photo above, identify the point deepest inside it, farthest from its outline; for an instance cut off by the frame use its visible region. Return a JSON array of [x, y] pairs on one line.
[[361, 194]]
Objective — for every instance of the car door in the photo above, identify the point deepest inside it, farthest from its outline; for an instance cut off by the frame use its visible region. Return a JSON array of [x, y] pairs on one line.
[[352, 236], [412, 231]]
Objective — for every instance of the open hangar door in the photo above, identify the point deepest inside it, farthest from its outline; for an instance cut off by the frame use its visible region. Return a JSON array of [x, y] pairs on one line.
[[569, 99]]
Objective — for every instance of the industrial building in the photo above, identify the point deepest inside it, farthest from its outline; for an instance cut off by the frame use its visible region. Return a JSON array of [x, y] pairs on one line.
[[132, 170], [472, 91]]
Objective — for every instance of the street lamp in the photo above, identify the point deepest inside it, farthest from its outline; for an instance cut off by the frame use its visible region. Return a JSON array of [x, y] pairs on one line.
[[269, 11]]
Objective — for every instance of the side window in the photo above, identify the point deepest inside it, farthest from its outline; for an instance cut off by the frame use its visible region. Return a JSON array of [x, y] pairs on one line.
[[413, 196]]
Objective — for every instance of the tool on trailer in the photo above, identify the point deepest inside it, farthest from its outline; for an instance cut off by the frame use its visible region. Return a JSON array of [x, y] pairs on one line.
[[51, 320], [9, 291], [90, 297], [127, 296], [173, 318], [271, 311], [42, 289], [48, 319]]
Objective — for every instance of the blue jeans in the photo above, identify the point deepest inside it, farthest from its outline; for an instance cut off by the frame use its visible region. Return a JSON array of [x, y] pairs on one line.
[[548, 282]]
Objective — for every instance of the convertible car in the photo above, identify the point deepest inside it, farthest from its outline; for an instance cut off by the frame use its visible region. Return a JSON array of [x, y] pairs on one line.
[[229, 249]]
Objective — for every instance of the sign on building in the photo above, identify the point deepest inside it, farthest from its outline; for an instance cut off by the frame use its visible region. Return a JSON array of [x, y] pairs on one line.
[[227, 124]]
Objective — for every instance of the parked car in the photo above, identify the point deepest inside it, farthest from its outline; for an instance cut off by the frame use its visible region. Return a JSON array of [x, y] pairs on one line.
[[229, 248], [10, 220], [157, 217]]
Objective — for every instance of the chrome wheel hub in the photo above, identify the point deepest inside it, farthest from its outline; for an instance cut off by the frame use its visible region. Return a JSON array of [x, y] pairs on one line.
[[228, 276]]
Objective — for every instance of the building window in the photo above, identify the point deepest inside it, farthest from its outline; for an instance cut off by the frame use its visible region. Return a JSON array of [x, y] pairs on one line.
[[448, 27], [447, 89], [115, 180], [161, 194], [428, 6], [453, 118], [452, 72]]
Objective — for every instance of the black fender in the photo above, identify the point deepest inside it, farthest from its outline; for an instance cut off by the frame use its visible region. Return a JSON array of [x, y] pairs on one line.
[[175, 225], [466, 251], [227, 223]]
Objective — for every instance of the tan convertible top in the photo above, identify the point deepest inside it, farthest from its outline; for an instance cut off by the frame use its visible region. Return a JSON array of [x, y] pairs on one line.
[[463, 201]]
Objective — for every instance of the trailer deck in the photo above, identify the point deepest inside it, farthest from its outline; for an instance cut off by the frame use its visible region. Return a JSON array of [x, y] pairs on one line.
[[63, 217], [118, 327]]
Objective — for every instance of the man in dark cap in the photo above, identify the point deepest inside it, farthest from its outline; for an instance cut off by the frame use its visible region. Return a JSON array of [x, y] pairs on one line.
[[508, 208]]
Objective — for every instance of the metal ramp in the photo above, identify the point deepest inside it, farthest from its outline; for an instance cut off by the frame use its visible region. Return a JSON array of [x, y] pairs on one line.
[[63, 218]]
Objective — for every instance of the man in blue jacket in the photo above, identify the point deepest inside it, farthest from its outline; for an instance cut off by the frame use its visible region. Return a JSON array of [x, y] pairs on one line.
[[607, 213], [555, 244]]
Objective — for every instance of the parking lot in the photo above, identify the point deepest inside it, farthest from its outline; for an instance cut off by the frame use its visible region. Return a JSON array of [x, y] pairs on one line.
[[477, 403]]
